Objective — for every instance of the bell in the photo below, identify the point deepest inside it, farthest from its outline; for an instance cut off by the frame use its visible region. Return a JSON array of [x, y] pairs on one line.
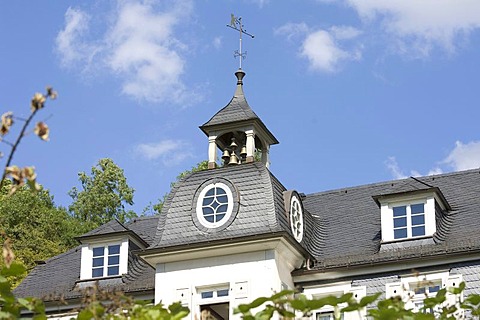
[[233, 159], [226, 155], [243, 152], [233, 145]]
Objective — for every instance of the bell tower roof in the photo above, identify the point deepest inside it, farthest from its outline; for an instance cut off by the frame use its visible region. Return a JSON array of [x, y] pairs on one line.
[[237, 131], [236, 111]]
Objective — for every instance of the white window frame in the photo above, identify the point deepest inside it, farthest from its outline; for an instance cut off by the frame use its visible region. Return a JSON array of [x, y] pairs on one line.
[[337, 290], [387, 219], [296, 218], [105, 257], [405, 288], [86, 266], [199, 208], [215, 299]]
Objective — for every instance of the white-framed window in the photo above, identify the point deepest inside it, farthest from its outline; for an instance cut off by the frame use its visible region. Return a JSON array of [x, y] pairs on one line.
[[214, 205], [214, 302], [296, 218], [414, 289], [106, 261], [328, 312], [408, 218]]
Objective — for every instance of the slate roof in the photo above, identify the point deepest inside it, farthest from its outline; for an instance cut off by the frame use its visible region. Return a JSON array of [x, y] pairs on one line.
[[342, 227], [351, 230], [261, 209], [236, 110], [59, 276]]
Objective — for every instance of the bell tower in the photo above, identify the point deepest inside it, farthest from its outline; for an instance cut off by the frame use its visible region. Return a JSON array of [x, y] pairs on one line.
[[238, 132]]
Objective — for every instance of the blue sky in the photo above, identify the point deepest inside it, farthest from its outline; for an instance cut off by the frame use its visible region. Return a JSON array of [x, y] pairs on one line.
[[356, 91]]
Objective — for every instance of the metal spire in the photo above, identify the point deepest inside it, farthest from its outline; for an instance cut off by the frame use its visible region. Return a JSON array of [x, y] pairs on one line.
[[236, 23]]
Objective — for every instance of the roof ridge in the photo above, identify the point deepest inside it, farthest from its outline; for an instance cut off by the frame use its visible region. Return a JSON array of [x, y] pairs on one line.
[[369, 185]]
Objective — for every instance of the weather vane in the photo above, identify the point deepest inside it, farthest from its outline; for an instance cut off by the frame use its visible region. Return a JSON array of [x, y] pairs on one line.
[[236, 23]]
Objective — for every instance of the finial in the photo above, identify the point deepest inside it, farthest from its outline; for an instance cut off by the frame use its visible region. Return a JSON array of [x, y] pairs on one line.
[[236, 23]]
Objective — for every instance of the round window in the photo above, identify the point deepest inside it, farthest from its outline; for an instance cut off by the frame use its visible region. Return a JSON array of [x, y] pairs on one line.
[[296, 218], [214, 205]]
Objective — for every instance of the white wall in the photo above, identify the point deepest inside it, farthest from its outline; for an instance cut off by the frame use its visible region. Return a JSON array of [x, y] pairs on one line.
[[248, 275]]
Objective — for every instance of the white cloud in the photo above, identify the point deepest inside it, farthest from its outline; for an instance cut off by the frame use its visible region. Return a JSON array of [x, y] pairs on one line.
[[139, 46], [418, 26], [217, 42], [322, 48], [170, 152], [464, 156], [290, 30], [395, 170], [259, 3], [69, 43]]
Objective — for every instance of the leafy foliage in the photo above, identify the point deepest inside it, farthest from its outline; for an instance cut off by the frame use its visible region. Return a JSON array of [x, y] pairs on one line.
[[289, 305], [103, 196], [37, 228]]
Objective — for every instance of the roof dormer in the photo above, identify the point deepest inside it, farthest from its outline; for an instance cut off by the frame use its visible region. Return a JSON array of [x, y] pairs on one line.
[[238, 132], [105, 250], [411, 214]]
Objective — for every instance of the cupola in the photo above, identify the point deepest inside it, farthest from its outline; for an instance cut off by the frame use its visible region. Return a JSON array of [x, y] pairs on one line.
[[238, 132]]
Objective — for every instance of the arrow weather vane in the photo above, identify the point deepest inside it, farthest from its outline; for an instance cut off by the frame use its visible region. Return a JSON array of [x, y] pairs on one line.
[[236, 23]]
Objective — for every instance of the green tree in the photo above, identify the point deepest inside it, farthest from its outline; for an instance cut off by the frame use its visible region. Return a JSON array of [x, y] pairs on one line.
[[37, 228], [103, 196]]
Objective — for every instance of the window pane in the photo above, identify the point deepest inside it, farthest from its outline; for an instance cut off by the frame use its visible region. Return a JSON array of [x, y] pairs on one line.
[[98, 262], [207, 211], [417, 208], [222, 199], [220, 217], [400, 222], [209, 218], [420, 290], [210, 192], [400, 233], [98, 251], [222, 208], [220, 191], [399, 211], [418, 231], [433, 289], [222, 293], [207, 294], [113, 271], [418, 219], [97, 272], [113, 260], [114, 249], [207, 201]]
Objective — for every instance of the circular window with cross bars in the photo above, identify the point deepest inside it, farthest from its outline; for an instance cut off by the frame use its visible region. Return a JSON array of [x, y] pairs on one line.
[[214, 205]]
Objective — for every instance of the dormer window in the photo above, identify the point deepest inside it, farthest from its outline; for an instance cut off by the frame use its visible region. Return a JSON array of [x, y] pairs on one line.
[[410, 215], [409, 221], [106, 261]]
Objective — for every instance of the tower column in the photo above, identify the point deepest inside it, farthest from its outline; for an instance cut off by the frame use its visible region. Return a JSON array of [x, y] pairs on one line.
[[266, 156], [212, 152], [250, 145]]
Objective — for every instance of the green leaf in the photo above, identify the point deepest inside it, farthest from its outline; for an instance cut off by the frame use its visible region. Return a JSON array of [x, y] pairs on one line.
[[369, 299], [15, 269], [283, 293], [473, 299]]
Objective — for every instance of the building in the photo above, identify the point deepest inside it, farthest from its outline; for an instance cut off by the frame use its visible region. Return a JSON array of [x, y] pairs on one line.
[[233, 233]]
